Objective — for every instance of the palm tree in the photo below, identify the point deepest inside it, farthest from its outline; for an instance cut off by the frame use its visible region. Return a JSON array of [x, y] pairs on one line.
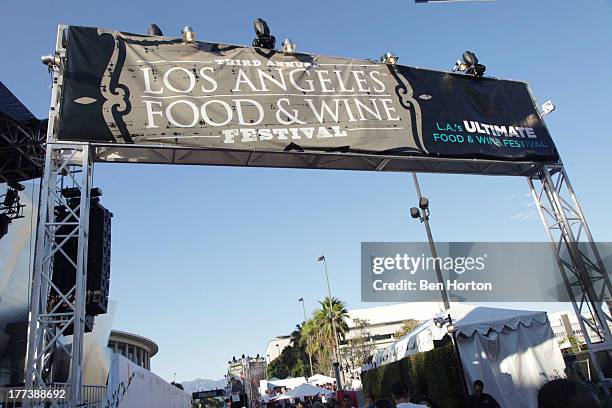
[[318, 334], [339, 312]]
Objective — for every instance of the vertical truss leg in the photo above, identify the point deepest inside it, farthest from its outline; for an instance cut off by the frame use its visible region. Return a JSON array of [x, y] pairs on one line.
[[55, 308], [585, 277]]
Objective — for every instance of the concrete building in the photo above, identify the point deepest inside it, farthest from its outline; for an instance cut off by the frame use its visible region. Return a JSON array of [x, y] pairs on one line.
[[137, 349], [381, 323], [276, 346]]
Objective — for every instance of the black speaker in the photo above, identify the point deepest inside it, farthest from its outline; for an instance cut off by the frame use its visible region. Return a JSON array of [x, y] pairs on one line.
[[89, 323], [98, 255]]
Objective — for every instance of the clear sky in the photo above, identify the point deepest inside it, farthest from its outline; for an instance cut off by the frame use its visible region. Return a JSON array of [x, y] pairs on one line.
[[209, 262]]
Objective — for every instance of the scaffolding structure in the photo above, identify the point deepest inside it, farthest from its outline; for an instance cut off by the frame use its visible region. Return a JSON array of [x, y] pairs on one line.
[[71, 165]]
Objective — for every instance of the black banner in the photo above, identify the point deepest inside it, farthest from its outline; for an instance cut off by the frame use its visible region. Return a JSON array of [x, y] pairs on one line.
[[160, 91]]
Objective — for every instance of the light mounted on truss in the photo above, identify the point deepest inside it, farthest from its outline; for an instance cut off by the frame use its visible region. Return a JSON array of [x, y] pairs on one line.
[[10, 207], [469, 65], [263, 39]]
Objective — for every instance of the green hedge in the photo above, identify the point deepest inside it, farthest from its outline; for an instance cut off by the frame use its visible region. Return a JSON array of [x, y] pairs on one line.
[[433, 373]]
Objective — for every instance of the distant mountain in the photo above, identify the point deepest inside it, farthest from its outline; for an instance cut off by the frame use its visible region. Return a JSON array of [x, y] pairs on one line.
[[200, 384]]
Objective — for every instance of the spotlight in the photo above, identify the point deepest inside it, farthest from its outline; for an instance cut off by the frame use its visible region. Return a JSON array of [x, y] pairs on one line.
[[189, 36], [264, 39], [155, 30], [469, 65], [288, 46], [439, 322], [321, 258], [547, 107], [51, 60], [415, 213], [15, 185], [389, 58], [423, 203], [10, 198]]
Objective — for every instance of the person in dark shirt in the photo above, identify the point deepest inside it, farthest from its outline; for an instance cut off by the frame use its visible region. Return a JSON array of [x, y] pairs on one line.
[[480, 399], [564, 393]]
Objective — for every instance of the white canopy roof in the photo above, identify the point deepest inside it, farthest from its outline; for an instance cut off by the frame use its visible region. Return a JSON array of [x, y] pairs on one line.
[[467, 319], [512, 351], [321, 379], [287, 382], [304, 390]]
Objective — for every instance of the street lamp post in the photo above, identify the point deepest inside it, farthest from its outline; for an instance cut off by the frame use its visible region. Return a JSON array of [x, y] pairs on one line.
[[423, 215], [333, 321], [309, 355]]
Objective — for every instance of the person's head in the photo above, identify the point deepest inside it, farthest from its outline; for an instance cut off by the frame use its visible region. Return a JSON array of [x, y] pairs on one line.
[[477, 387], [564, 393], [400, 392], [383, 403], [299, 404], [346, 401], [369, 399]]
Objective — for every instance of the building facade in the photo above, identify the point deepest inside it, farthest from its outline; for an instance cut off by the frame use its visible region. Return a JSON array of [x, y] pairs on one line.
[[137, 349]]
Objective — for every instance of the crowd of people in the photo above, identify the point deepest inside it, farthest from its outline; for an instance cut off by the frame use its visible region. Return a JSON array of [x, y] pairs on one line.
[[560, 393]]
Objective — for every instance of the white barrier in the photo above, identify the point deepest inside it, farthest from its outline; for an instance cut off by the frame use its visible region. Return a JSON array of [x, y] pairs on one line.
[[131, 386]]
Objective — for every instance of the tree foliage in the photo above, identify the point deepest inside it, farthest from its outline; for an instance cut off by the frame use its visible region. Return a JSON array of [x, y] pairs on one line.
[[408, 326], [359, 346]]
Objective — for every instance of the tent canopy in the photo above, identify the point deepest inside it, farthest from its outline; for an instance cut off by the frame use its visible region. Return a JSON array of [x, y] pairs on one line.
[[287, 382], [467, 319], [513, 351], [321, 379], [304, 390]]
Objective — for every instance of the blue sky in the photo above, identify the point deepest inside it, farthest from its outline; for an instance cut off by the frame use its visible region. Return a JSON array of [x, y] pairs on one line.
[[209, 262]]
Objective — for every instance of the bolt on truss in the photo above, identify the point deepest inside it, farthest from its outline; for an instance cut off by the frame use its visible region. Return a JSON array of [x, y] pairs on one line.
[[57, 309], [583, 272]]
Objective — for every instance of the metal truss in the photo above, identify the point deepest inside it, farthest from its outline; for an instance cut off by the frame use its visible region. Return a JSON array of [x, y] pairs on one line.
[[583, 272], [21, 150], [56, 310]]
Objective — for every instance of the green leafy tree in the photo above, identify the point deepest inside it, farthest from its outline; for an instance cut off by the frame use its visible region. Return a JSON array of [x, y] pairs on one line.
[[293, 360], [359, 345], [407, 326], [318, 333]]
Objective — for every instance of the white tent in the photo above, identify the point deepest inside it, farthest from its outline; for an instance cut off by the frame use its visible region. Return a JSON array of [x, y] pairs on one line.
[[514, 352], [287, 383], [319, 379], [304, 390]]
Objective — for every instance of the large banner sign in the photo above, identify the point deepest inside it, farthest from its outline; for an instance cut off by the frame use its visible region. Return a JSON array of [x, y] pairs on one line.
[[160, 91]]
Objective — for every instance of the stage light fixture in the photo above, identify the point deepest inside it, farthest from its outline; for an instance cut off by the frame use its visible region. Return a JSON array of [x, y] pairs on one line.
[[389, 58], [155, 30], [189, 36], [288, 46], [51, 60], [547, 107], [469, 65], [423, 203], [263, 39], [10, 198], [415, 213]]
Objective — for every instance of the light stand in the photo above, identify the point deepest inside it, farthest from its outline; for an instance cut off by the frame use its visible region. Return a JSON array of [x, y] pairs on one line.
[[422, 213]]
